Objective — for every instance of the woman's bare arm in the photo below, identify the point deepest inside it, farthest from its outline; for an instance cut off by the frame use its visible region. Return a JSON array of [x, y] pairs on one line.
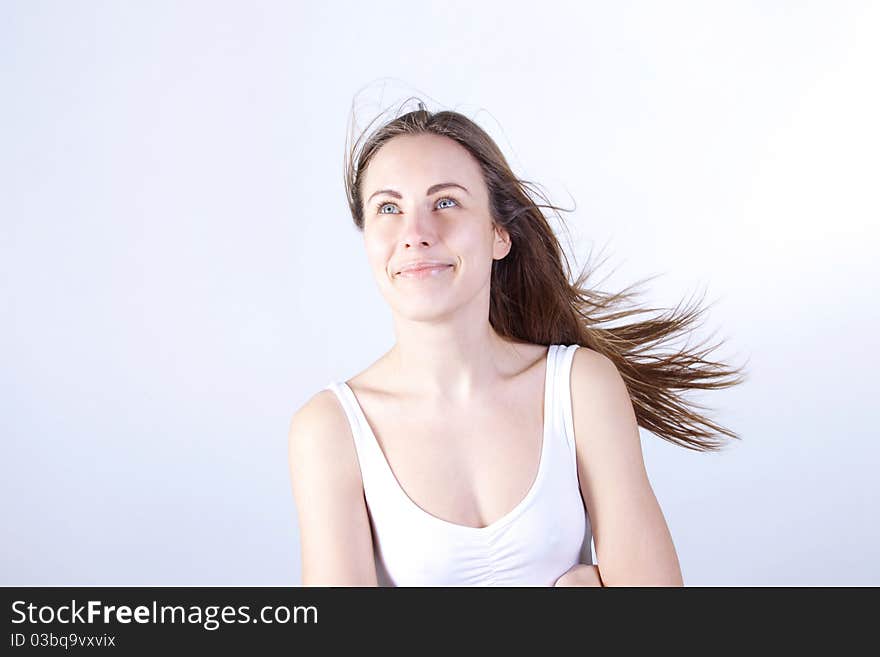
[[633, 543], [580, 574], [335, 534]]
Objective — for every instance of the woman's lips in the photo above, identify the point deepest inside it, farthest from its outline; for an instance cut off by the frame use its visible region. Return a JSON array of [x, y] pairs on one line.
[[424, 272]]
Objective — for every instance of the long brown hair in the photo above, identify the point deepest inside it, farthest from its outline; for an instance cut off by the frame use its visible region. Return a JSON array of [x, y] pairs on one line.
[[533, 298]]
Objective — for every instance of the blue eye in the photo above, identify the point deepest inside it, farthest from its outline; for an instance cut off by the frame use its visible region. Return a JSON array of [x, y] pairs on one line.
[[382, 204]]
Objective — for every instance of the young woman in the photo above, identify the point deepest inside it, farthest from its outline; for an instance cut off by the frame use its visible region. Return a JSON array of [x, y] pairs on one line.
[[499, 435]]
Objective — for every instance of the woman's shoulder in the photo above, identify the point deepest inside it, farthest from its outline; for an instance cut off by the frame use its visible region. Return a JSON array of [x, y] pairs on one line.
[[600, 396], [320, 423], [589, 362]]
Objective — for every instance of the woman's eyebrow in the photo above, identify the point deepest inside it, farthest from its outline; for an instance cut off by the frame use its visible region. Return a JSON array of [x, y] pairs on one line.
[[431, 190]]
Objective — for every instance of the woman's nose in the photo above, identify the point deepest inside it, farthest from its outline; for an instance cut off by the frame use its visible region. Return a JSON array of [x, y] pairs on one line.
[[418, 226]]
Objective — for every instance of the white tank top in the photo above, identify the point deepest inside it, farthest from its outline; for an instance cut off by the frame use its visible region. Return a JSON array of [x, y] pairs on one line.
[[532, 545]]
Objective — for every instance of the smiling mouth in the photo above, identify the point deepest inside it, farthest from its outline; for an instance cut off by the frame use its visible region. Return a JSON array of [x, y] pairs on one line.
[[423, 272]]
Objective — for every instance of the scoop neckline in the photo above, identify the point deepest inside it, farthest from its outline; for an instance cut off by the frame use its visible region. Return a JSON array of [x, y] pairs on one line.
[[513, 513]]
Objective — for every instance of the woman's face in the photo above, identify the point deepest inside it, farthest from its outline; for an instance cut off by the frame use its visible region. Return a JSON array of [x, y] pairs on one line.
[[425, 199]]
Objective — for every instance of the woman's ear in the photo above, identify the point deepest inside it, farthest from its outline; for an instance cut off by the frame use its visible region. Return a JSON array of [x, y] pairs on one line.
[[502, 244]]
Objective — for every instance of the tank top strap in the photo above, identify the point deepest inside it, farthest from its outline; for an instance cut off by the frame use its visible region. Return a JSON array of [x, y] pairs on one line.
[[370, 467], [561, 362]]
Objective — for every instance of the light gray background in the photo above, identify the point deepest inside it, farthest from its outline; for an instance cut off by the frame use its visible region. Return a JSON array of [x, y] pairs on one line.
[[180, 273]]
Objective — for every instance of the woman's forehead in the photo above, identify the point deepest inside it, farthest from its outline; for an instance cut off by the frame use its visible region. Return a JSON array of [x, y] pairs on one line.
[[420, 160]]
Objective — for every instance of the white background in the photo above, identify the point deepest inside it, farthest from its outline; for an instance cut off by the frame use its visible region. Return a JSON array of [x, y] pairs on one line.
[[179, 271]]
